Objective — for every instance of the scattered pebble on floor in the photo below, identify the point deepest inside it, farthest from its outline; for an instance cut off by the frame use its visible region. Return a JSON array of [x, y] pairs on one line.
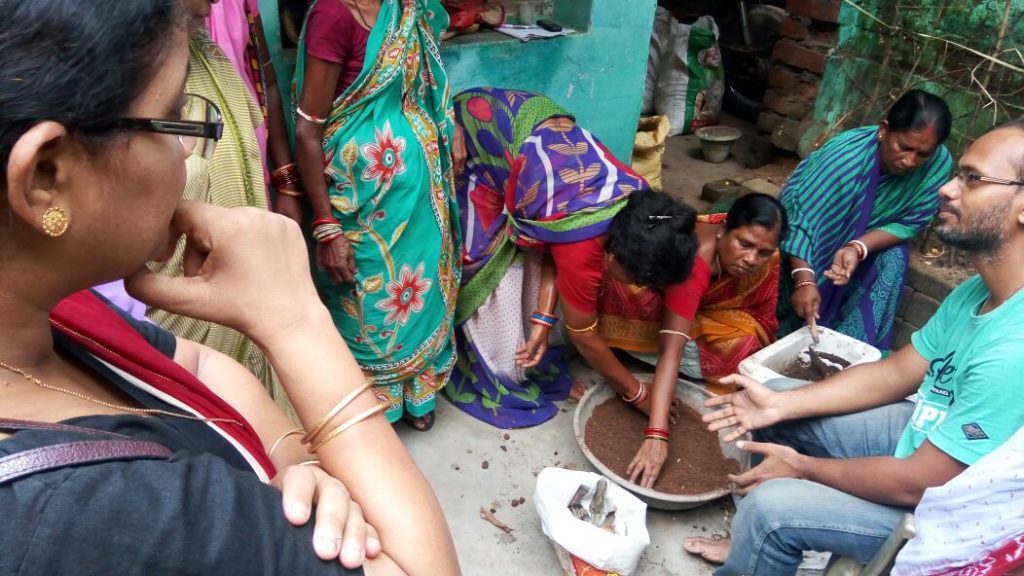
[[485, 464]]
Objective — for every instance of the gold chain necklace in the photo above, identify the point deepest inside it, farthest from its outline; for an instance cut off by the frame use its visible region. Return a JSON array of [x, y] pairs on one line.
[[104, 403]]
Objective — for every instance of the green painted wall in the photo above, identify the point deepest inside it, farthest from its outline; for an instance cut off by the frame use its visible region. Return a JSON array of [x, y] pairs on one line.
[[598, 74], [874, 64]]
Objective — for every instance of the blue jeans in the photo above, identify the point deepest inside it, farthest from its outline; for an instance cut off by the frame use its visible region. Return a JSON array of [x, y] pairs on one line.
[[781, 518]]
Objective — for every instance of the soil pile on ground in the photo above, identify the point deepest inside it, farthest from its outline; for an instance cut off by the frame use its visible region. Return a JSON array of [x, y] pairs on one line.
[[818, 366], [695, 463]]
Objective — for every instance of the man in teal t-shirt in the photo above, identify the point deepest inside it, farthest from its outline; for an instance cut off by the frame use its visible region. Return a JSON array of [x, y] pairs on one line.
[[843, 459], [966, 405]]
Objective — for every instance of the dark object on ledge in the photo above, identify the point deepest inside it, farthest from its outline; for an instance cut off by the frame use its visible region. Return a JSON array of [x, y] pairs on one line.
[[550, 25]]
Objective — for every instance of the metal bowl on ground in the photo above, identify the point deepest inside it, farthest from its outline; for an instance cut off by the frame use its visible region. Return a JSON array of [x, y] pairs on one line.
[[693, 396], [716, 141]]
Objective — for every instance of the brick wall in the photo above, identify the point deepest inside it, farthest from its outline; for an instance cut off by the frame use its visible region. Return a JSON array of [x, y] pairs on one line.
[[809, 34]]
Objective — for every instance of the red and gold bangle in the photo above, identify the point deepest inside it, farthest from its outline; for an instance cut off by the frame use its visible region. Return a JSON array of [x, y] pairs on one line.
[[654, 431], [286, 176], [860, 247], [803, 283], [654, 437], [327, 220], [327, 229]]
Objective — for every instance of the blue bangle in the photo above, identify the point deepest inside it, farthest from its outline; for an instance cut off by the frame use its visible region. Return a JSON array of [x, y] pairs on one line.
[[549, 320]]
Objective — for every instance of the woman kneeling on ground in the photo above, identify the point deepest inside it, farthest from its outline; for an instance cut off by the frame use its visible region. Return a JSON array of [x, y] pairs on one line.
[[93, 146], [544, 206], [704, 327]]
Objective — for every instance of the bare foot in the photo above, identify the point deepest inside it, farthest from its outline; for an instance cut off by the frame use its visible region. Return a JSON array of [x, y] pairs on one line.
[[420, 423], [714, 549], [579, 388]]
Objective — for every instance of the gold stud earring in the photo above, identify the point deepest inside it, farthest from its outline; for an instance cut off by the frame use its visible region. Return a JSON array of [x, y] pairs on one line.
[[55, 221]]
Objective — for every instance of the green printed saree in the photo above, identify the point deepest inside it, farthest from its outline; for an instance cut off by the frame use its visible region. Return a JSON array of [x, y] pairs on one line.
[[390, 180]]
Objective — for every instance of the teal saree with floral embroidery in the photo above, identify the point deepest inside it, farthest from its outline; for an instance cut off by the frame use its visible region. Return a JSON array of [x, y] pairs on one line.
[[387, 146]]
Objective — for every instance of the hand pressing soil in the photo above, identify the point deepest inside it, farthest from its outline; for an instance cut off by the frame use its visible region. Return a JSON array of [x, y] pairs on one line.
[[695, 463]]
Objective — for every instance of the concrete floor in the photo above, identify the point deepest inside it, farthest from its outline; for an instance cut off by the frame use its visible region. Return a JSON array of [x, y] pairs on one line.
[[685, 171], [473, 465]]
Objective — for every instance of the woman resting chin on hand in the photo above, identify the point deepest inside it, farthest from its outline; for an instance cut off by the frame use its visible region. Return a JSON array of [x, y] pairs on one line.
[[242, 493]]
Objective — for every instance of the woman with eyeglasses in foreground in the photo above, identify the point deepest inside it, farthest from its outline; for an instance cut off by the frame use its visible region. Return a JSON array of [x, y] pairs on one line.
[[92, 165]]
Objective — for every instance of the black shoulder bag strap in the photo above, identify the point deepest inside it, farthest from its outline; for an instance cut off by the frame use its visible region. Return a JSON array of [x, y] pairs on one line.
[[45, 458]]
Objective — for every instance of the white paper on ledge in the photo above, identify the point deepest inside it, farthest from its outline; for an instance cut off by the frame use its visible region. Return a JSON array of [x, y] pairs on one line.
[[532, 32]]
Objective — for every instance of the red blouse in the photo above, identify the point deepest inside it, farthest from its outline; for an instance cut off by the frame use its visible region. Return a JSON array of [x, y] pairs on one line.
[[334, 35], [580, 267]]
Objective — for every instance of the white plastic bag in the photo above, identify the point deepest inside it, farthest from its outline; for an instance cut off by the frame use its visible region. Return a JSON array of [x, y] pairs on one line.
[[688, 78], [661, 34], [619, 552]]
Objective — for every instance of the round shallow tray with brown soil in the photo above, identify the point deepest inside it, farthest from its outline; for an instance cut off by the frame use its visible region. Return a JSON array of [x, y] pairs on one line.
[[692, 396]]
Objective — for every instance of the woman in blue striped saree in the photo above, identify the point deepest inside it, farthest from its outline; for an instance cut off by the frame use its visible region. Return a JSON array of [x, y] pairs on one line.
[[852, 207]]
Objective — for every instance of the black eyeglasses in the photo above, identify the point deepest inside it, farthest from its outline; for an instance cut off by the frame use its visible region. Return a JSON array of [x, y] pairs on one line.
[[198, 130], [967, 177]]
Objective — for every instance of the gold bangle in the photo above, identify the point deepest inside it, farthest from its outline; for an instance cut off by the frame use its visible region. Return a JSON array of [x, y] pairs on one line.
[[587, 329], [334, 411], [346, 425], [270, 453], [292, 193], [313, 462], [653, 437]]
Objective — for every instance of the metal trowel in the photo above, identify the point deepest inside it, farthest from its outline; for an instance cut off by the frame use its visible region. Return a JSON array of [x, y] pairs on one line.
[[816, 362]]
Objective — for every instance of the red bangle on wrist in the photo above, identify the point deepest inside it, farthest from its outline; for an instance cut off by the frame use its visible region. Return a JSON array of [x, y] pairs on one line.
[[656, 433], [328, 220]]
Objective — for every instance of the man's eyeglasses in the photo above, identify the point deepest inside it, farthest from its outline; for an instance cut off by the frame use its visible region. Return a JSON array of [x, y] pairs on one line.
[[198, 129], [968, 178]]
